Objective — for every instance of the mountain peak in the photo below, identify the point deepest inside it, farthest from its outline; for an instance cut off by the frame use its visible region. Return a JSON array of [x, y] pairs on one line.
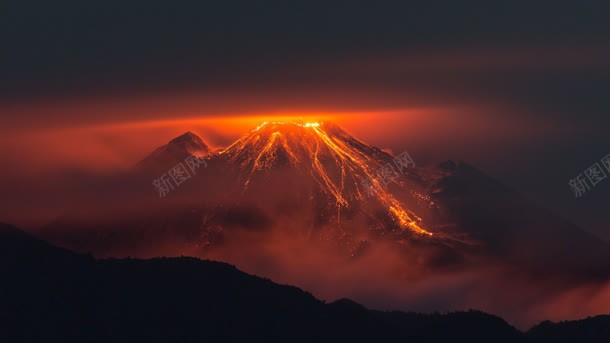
[[276, 144], [176, 150], [188, 137]]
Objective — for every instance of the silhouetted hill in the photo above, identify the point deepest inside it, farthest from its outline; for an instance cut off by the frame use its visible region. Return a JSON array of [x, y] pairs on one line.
[[50, 294], [591, 329]]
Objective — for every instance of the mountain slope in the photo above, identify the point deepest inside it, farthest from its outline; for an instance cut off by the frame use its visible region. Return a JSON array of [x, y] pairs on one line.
[[514, 228]]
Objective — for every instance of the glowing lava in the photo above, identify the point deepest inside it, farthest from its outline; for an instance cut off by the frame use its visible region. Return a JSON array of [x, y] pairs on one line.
[[344, 168]]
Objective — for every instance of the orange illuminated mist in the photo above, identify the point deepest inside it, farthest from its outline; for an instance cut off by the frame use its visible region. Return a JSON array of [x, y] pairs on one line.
[[344, 168]]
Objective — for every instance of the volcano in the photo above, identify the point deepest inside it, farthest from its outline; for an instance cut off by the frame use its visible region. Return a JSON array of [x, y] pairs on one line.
[[338, 173], [315, 181], [309, 204]]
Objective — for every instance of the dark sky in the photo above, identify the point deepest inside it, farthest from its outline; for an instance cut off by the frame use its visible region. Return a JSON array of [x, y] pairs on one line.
[[111, 46], [546, 62]]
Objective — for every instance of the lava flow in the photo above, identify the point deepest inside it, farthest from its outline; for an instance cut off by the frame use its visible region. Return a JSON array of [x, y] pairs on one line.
[[344, 168]]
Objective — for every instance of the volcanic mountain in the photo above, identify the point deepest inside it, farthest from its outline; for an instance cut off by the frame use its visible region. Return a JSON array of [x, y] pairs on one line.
[[314, 180], [329, 169]]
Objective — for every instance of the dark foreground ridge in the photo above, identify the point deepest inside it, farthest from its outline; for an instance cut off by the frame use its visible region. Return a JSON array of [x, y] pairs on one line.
[[48, 294]]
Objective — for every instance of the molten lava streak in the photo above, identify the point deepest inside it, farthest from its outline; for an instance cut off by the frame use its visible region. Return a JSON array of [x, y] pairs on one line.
[[313, 144]]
